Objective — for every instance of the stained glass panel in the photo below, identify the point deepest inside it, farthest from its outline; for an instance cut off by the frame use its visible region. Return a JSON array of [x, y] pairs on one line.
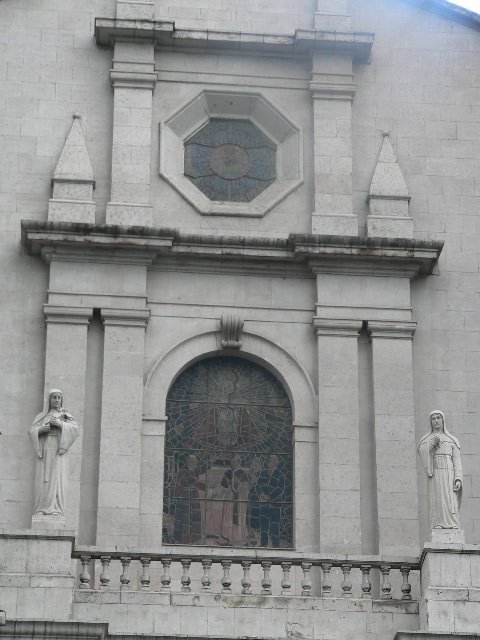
[[228, 457], [230, 160]]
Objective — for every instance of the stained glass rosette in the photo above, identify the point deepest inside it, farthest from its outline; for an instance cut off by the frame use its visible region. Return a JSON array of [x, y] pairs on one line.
[[230, 160]]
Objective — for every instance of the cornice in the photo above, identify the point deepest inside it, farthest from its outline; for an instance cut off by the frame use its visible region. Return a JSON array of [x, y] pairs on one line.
[[337, 327], [140, 245], [126, 317], [391, 329], [164, 34], [56, 314]]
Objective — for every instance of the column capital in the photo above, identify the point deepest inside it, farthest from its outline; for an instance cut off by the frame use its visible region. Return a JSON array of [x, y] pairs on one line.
[[344, 327], [126, 317], [57, 314], [392, 329], [133, 79]]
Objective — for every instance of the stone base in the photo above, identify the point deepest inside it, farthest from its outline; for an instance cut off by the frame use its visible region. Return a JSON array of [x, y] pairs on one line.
[[41, 521], [129, 215], [447, 536], [389, 227], [335, 225], [71, 211], [332, 21]]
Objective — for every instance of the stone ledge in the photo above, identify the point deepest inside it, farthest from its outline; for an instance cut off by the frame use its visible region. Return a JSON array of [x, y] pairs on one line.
[[158, 598], [165, 34], [321, 253]]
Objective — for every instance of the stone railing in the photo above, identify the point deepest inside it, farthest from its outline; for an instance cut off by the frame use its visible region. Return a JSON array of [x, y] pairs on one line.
[[246, 572]]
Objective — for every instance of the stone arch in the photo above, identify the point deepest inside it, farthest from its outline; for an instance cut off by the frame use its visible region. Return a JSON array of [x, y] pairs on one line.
[[259, 349]]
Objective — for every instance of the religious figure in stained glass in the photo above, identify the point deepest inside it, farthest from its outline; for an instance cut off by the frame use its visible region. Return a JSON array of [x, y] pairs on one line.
[[228, 467]]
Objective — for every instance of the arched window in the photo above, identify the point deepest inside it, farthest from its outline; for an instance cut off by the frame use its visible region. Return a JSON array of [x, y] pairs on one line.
[[228, 457]]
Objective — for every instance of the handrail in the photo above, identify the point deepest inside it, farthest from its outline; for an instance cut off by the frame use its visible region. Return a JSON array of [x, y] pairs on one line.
[[217, 554], [247, 559]]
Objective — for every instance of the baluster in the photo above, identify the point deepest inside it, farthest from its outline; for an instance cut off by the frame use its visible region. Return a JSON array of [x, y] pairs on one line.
[[327, 580], [206, 581], [165, 579], [246, 581], [105, 576], [347, 583], [185, 579], [306, 582], [366, 584], [125, 578], [266, 580], [85, 573], [386, 586], [406, 586], [226, 580], [286, 584], [145, 577]]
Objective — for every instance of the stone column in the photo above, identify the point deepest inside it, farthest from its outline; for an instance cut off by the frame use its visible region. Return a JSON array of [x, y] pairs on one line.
[[333, 92], [397, 493], [151, 480], [120, 440], [65, 369], [133, 78], [338, 435]]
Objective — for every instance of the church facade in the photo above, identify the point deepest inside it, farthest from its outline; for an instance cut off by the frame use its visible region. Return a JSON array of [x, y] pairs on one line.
[[241, 251]]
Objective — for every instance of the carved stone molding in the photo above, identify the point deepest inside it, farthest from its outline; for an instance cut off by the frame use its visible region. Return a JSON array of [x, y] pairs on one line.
[[231, 329], [67, 315], [334, 327], [126, 317], [323, 254], [392, 329]]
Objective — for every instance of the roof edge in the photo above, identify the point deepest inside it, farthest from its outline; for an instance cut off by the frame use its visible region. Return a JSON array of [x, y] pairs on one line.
[[449, 10]]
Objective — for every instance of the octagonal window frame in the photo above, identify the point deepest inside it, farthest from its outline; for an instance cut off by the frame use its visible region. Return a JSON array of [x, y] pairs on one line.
[[182, 124]]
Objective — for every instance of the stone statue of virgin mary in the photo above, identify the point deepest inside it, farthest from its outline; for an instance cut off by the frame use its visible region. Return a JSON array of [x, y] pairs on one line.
[[52, 433], [440, 455]]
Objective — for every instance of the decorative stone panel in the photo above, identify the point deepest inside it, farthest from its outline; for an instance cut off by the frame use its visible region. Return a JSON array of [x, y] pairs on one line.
[[253, 108]]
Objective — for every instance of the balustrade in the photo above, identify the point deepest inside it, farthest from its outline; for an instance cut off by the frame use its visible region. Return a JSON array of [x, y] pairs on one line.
[[245, 572]]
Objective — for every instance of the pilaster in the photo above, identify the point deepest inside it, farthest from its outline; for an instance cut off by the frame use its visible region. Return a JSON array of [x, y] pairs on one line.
[[333, 90], [332, 15], [306, 502], [135, 10], [338, 435], [133, 79], [120, 440], [65, 368], [397, 493], [151, 480]]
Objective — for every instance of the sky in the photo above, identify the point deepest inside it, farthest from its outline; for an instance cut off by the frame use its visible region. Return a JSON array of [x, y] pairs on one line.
[[469, 4]]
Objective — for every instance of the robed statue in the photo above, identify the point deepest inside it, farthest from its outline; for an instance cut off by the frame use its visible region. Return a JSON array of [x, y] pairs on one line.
[[440, 454], [52, 433]]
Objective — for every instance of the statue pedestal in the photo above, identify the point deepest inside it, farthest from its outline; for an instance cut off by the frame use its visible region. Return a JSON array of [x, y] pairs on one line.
[[41, 521], [450, 577], [447, 536]]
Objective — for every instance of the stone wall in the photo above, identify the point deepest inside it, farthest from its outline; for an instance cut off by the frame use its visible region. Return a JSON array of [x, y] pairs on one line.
[[422, 85]]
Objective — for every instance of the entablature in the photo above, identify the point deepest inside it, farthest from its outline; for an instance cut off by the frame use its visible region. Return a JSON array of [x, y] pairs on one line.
[[164, 34], [320, 254]]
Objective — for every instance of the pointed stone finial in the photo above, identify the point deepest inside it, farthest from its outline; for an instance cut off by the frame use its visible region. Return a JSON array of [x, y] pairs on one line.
[[74, 162], [388, 197], [73, 183], [388, 179]]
